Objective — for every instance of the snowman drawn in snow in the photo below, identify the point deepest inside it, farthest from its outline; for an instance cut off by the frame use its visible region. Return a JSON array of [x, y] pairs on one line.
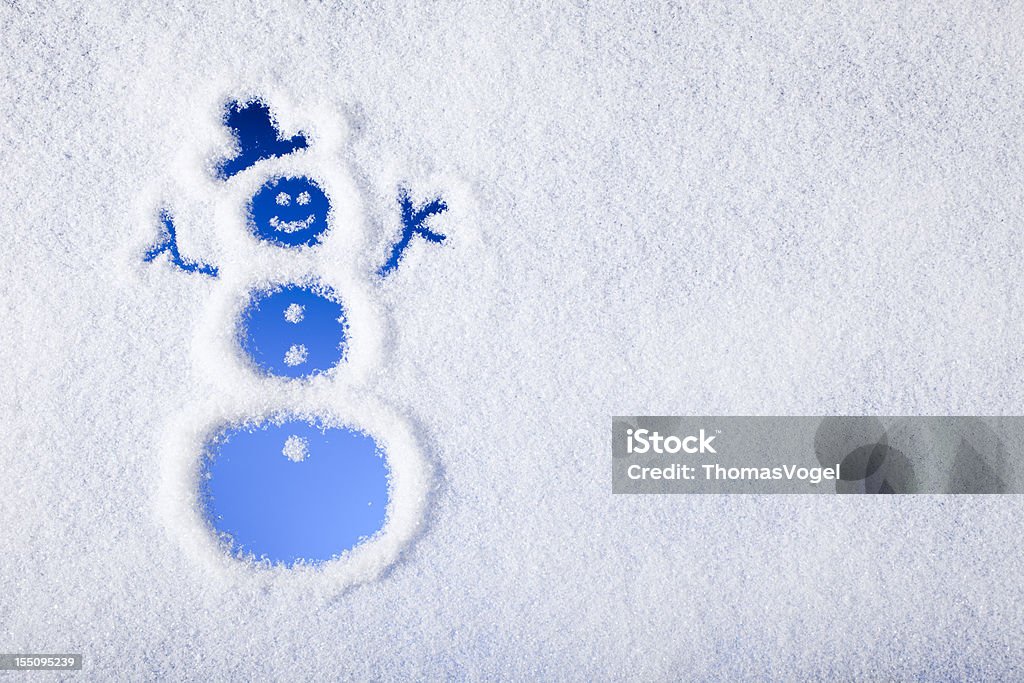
[[292, 459]]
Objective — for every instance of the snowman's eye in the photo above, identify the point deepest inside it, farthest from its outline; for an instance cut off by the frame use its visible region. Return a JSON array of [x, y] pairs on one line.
[[303, 198], [284, 199]]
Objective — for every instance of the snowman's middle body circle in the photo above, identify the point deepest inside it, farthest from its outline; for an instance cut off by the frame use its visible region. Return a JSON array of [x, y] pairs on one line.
[[294, 330]]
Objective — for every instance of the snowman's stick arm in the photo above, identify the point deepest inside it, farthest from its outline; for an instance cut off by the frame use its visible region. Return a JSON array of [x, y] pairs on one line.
[[413, 224], [170, 245]]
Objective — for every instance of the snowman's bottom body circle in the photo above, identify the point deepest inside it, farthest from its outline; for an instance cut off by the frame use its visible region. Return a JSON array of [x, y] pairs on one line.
[[190, 474], [293, 492]]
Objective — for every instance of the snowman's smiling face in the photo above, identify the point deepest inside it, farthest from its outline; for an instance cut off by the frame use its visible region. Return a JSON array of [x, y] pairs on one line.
[[289, 212]]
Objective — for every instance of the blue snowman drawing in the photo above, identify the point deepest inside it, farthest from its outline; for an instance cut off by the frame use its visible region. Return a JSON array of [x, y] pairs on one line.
[[291, 486]]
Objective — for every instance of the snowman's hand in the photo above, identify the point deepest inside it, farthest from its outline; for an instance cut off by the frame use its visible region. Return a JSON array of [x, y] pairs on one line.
[[169, 244], [413, 223]]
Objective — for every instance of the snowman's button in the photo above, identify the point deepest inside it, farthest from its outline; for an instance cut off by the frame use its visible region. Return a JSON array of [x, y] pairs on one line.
[[296, 355], [294, 331], [293, 313], [295, 448], [289, 212]]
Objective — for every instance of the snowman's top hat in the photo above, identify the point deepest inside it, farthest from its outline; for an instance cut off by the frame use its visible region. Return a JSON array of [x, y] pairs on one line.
[[257, 135]]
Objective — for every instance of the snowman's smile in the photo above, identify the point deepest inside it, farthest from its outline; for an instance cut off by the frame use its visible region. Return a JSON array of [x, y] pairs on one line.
[[291, 226]]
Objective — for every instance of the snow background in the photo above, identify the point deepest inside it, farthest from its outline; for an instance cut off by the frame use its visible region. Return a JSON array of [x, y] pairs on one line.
[[770, 209]]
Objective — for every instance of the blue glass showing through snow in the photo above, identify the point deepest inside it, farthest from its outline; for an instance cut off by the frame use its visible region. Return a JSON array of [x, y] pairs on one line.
[[257, 136], [294, 331], [294, 491], [289, 212]]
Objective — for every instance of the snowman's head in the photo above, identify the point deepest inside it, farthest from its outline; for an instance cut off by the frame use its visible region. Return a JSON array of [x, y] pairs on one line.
[[289, 212]]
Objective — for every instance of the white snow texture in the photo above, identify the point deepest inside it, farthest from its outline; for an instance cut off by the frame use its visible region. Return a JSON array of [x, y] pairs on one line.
[[767, 209]]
